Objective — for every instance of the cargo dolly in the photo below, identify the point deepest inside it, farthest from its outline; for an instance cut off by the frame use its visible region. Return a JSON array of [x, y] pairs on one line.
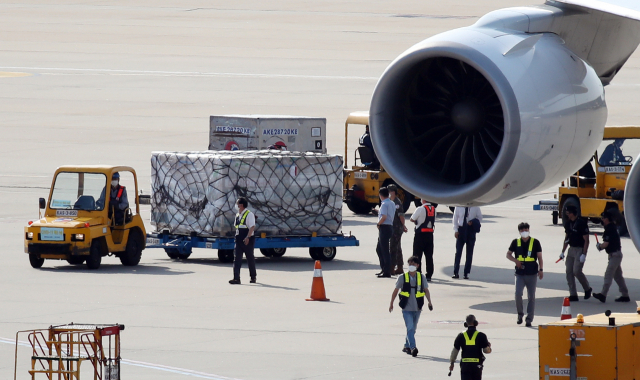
[[320, 247]]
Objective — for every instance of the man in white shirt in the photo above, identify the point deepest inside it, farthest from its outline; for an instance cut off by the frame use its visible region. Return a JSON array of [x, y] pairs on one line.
[[466, 223], [245, 240]]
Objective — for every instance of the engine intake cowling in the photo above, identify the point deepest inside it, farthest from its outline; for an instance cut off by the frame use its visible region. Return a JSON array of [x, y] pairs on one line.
[[477, 116]]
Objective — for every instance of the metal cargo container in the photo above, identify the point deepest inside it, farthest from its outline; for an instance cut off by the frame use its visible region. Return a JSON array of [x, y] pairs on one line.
[[257, 132]]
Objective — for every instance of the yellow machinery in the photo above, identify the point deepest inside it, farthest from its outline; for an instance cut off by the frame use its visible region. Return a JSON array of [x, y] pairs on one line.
[[80, 225], [604, 346], [58, 352], [593, 195], [361, 183]]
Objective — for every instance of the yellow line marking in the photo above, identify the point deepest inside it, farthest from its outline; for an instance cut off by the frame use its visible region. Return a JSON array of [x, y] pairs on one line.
[[8, 74]]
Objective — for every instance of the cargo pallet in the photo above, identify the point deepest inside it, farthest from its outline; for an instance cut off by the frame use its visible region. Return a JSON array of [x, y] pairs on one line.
[[320, 247]]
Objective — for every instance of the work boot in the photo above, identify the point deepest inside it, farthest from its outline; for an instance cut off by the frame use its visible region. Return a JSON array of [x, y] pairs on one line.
[[528, 324], [574, 298], [407, 350], [455, 276], [519, 319], [587, 294], [253, 280], [414, 352], [234, 282], [600, 297], [621, 299]]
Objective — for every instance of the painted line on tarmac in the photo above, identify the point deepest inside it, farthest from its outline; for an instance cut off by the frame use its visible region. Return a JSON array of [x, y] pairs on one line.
[[68, 71], [135, 363]]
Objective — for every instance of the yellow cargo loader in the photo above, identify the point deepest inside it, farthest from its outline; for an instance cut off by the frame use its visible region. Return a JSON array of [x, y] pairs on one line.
[[361, 181]]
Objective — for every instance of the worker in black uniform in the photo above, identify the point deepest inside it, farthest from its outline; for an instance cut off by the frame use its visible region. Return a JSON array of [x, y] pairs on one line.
[[612, 154], [365, 140], [611, 243], [473, 344], [425, 218]]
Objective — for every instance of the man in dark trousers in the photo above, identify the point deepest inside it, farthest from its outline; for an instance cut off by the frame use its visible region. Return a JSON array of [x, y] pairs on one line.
[[528, 260], [466, 223], [245, 240], [398, 229], [424, 218], [473, 344], [611, 244], [577, 239], [385, 230]]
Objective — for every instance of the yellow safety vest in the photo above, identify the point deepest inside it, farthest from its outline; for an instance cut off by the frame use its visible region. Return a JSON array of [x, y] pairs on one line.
[[243, 219], [418, 293], [470, 342], [528, 257]]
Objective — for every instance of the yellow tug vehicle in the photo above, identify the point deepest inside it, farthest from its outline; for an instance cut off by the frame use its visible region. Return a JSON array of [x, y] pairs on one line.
[[81, 225]]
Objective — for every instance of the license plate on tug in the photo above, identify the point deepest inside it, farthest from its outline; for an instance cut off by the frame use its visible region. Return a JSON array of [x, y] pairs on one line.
[[153, 241], [51, 234]]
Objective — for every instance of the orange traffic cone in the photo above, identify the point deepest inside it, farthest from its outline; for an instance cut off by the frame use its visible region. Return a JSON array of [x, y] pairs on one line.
[[317, 287], [566, 309]]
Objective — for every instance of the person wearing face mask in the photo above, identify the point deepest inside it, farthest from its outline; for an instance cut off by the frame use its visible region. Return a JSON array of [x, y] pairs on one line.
[[413, 289], [245, 240], [611, 245], [118, 201], [528, 260], [577, 239]]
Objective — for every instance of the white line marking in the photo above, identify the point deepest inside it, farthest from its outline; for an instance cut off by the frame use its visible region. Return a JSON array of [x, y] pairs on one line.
[[62, 70], [135, 363]]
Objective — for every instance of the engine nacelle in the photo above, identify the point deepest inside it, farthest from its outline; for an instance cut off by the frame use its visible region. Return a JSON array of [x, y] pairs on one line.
[[480, 115], [632, 204]]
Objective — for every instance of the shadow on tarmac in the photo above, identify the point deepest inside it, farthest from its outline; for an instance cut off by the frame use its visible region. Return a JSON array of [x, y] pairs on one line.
[[154, 270], [282, 264], [551, 307]]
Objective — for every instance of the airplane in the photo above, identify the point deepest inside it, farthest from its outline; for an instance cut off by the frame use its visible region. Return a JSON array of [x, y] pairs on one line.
[[510, 105]]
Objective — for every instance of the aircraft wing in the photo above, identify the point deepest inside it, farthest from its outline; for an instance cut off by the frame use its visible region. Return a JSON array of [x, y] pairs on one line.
[[602, 32]]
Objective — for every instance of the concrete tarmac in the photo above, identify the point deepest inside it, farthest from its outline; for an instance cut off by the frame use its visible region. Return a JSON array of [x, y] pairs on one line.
[[107, 83]]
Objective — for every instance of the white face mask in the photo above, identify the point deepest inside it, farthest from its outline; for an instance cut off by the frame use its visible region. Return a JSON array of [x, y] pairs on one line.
[[114, 183], [412, 268], [235, 207], [524, 234]]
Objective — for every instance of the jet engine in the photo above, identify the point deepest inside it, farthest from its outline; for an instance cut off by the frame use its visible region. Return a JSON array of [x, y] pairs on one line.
[[632, 204], [491, 112]]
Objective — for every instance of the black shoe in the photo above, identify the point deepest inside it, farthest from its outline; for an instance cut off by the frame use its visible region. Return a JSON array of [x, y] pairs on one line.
[[384, 276], [414, 352], [379, 273], [234, 282], [253, 280], [429, 279], [466, 276], [600, 297], [528, 324], [587, 294], [519, 319], [455, 276], [574, 298], [621, 299], [407, 350]]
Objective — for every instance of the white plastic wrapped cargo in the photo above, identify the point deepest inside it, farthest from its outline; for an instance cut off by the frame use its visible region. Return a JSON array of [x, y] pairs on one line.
[[291, 193]]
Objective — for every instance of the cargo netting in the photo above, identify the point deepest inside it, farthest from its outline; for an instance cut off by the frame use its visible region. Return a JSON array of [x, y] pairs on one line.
[[290, 193]]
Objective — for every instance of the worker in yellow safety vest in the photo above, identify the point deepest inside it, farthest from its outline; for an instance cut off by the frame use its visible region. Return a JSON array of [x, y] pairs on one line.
[[474, 345], [528, 260], [413, 289]]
